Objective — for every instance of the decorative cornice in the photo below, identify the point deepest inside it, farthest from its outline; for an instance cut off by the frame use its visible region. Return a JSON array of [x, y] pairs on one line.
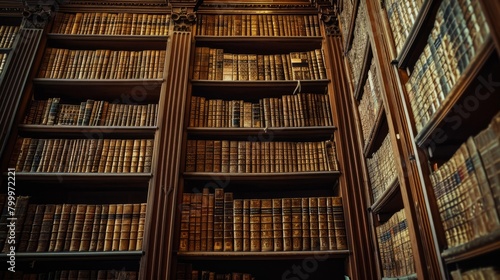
[[266, 6], [329, 16], [183, 18], [162, 3], [37, 16]]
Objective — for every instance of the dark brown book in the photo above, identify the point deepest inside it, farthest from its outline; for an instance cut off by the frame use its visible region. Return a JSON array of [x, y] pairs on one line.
[[210, 222], [255, 223], [87, 226], [204, 218], [200, 155], [286, 204], [306, 234], [77, 230], [20, 211], [209, 156], [217, 156], [233, 156], [192, 223], [103, 223], [327, 239], [266, 225], [134, 226], [246, 225], [314, 223], [94, 230], [26, 228], [339, 223], [117, 229], [185, 222], [46, 228], [228, 222], [196, 206], [110, 227], [296, 224]]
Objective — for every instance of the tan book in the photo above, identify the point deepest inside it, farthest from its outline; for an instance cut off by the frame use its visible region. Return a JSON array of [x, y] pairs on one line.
[[296, 217], [142, 224], [277, 221], [110, 227], [326, 226], [126, 223], [134, 226], [148, 155], [266, 225], [238, 225], [339, 223], [117, 229], [204, 219], [225, 156]]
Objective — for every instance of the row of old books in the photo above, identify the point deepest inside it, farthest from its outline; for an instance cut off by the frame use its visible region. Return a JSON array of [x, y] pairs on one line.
[[7, 35], [102, 23], [382, 168], [91, 113], [466, 188], [215, 64], [459, 33], [299, 110], [395, 246], [258, 25], [219, 222], [83, 155], [402, 14], [371, 103], [260, 157], [488, 273], [73, 227], [72, 275], [102, 64], [185, 271], [356, 54]]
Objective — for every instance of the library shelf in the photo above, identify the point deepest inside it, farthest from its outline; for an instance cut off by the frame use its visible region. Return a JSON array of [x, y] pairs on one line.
[[389, 202], [358, 91], [262, 255], [377, 134], [477, 247], [260, 44], [110, 42], [74, 131], [262, 134]]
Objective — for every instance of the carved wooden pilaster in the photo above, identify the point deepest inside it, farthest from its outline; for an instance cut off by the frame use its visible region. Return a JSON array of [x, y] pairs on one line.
[[329, 17]]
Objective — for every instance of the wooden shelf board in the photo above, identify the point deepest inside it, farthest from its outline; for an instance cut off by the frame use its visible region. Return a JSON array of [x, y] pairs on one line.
[[112, 42], [468, 86], [358, 92], [226, 256], [5, 50], [126, 91], [260, 44], [377, 134], [76, 256], [82, 177], [390, 201], [477, 247], [255, 89], [272, 133], [417, 38], [67, 131]]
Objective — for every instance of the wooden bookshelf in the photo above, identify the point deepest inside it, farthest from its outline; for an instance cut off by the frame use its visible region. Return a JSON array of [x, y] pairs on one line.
[[377, 134], [368, 56], [110, 42], [388, 203], [74, 131], [476, 248], [260, 44]]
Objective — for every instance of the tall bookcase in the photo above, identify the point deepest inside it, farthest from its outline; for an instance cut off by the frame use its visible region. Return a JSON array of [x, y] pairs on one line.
[[85, 140], [436, 61], [259, 135]]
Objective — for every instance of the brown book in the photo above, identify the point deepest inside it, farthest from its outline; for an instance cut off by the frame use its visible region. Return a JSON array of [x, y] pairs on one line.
[[77, 230], [110, 226], [88, 223], [200, 155], [103, 223], [142, 223], [296, 207], [134, 226], [255, 223], [246, 225], [94, 230], [228, 222], [327, 239], [225, 156], [339, 223], [117, 229], [45, 228], [126, 224], [55, 227], [219, 220], [306, 235], [314, 223], [233, 156], [277, 224], [266, 225], [34, 231], [238, 224], [209, 156], [217, 156], [192, 223], [204, 219], [196, 206], [185, 222], [26, 228], [148, 156], [210, 222]]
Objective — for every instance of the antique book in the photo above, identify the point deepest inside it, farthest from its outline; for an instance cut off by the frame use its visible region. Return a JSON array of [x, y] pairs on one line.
[[255, 225], [228, 222]]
